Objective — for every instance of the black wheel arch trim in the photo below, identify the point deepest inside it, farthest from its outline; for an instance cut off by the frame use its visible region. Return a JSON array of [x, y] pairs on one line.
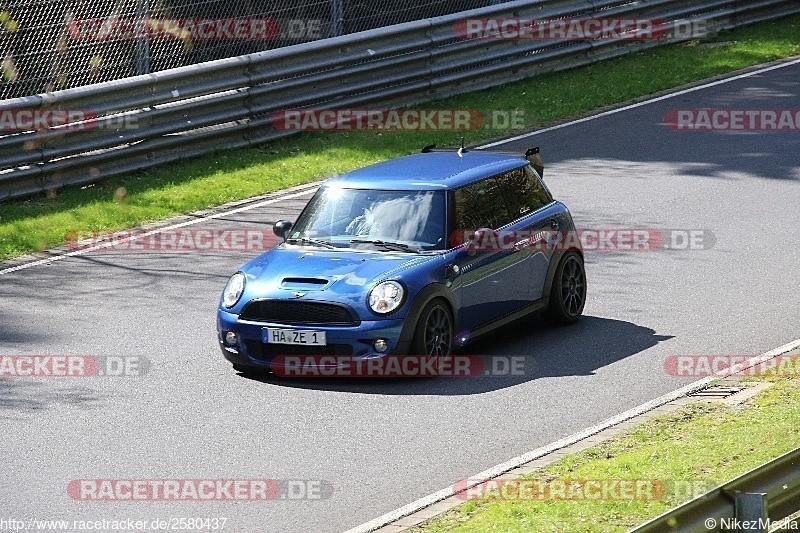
[[423, 298], [551, 271]]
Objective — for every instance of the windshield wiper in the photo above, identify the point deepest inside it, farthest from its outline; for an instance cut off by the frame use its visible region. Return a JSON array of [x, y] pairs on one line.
[[309, 240], [397, 246]]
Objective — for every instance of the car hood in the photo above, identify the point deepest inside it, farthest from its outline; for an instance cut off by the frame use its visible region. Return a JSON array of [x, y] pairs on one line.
[[343, 276]]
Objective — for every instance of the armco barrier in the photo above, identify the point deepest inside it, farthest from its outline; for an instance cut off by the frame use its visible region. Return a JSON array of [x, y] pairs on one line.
[[771, 491], [228, 103]]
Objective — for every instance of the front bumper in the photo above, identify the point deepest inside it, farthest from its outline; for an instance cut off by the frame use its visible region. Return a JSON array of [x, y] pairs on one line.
[[355, 341]]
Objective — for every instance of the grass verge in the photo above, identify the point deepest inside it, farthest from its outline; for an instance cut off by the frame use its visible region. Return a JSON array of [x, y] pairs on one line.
[[42, 222], [700, 445]]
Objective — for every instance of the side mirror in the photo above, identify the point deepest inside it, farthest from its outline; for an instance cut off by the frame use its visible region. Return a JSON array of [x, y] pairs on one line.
[[482, 240], [281, 228]]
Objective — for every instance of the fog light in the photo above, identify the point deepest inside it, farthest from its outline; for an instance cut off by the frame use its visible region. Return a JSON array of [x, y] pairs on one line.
[[380, 345], [231, 338]]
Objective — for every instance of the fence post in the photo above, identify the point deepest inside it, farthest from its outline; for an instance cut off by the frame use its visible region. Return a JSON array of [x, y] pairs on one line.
[[337, 18], [142, 37], [750, 509]]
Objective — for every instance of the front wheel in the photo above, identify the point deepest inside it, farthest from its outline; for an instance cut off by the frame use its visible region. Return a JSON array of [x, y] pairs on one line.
[[434, 332], [568, 295]]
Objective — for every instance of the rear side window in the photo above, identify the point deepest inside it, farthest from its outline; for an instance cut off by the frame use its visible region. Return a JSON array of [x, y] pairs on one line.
[[496, 201], [480, 205], [523, 191]]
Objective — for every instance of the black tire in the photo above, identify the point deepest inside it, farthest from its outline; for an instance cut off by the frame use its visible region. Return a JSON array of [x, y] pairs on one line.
[[568, 294], [433, 334]]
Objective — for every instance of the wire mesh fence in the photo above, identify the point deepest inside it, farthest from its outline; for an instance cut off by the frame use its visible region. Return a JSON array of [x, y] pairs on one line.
[[48, 45]]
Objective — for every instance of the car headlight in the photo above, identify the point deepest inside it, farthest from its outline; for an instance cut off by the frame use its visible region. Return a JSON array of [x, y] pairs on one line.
[[233, 290], [386, 297]]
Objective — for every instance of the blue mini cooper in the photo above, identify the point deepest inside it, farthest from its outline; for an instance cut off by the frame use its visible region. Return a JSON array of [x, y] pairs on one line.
[[416, 255]]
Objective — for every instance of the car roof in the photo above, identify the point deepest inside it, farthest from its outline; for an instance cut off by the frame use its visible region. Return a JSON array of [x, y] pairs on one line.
[[428, 171]]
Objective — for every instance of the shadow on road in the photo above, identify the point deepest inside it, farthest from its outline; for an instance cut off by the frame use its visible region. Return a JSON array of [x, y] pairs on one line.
[[27, 396], [547, 351], [11, 334], [644, 144]]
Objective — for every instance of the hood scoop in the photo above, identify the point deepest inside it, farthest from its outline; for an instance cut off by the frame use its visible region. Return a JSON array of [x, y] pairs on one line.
[[304, 284]]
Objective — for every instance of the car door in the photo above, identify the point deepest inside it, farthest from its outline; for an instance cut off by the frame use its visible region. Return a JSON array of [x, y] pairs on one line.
[[491, 271], [532, 229]]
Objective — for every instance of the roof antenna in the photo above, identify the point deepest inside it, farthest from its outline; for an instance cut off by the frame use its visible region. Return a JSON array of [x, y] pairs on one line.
[[462, 149]]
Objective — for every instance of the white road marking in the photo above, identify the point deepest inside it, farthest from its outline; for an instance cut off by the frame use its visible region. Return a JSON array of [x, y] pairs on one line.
[[490, 145], [305, 190], [538, 452], [511, 464], [639, 104]]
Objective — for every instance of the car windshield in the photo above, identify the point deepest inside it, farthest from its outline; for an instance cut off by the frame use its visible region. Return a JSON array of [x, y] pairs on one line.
[[372, 219]]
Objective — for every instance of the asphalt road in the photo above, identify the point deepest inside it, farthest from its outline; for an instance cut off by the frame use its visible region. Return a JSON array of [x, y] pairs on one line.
[[382, 444]]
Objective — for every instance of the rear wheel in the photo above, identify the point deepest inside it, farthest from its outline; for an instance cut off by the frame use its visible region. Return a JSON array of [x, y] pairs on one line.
[[568, 295], [434, 332]]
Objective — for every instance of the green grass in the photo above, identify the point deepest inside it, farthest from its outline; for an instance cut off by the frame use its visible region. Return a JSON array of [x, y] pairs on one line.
[[705, 443], [42, 222]]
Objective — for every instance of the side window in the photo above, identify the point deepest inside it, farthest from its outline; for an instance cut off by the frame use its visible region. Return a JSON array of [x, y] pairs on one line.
[[480, 205], [523, 191]]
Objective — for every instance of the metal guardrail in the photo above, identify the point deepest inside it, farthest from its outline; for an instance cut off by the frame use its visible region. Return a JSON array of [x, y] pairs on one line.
[[770, 491], [228, 103]]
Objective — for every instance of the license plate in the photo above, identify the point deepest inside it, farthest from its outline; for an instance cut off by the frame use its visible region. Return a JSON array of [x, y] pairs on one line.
[[302, 337]]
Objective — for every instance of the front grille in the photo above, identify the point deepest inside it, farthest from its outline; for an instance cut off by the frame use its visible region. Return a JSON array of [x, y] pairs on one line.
[[299, 312], [267, 351]]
